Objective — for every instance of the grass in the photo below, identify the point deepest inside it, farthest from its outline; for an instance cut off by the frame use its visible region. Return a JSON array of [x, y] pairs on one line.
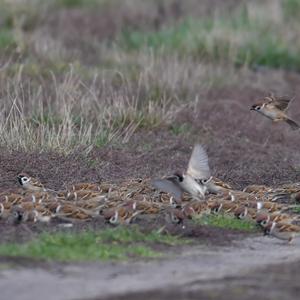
[[110, 244], [55, 96], [296, 210], [226, 222], [7, 39], [241, 39]]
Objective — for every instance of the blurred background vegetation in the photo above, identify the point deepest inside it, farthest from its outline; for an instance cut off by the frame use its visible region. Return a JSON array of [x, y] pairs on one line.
[[83, 73]]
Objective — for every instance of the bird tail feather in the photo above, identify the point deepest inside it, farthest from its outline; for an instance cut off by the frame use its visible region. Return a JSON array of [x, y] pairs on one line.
[[293, 124]]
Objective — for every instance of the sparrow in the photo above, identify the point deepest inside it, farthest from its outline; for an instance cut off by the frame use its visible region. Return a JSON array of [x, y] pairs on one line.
[[196, 181], [286, 193], [4, 211], [270, 206], [263, 219], [81, 195], [69, 210], [257, 189], [23, 214], [196, 208], [175, 216], [245, 213], [275, 108], [12, 198], [223, 206], [120, 215], [29, 183], [38, 197], [84, 186], [282, 231]]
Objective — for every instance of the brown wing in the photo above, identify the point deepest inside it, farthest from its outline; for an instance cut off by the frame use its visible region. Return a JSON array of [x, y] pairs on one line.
[[281, 103]]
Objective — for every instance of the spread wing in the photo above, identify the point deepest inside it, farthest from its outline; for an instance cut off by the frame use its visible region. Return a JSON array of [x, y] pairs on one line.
[[168, 186], [281, 103], [198, 166]]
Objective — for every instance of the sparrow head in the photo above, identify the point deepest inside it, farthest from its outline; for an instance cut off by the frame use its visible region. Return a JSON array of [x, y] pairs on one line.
[[205, 181], [115, 218], [263, 219], [269, 227], [17, 214], [175, 203], [23, 179], [241, 212], [188, 211], [176, 216], [178, 176], [255, 107], [216, 207]]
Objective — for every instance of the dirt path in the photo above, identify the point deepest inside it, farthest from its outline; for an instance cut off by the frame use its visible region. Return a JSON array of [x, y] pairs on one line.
[[197, 268]]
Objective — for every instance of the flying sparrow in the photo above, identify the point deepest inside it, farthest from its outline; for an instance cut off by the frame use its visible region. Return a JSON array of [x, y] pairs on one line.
[[275, 108], [197, 181], [29, 183]]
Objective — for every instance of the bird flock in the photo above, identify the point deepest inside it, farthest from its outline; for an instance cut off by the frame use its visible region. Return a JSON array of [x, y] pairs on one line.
[[178, 197]]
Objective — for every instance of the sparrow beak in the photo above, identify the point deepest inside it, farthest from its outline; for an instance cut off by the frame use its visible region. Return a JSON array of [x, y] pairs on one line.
[[251, 108]]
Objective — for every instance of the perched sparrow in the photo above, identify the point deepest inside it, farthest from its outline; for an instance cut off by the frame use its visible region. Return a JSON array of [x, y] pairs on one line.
[[84, 186], [256, 189], [223, 206], [241, 197], [71, 211], [282, 231], [11, 198], [23, 214], [221, 184], [245, 213], [38, 197], [269, 206], [285, 193], [196, 208], [175, 216], [91, 204], [263, 219], [82, 195], [275, 108], [4, 211], [30, 183], [189, 211], [121, 215], [196, 181]]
